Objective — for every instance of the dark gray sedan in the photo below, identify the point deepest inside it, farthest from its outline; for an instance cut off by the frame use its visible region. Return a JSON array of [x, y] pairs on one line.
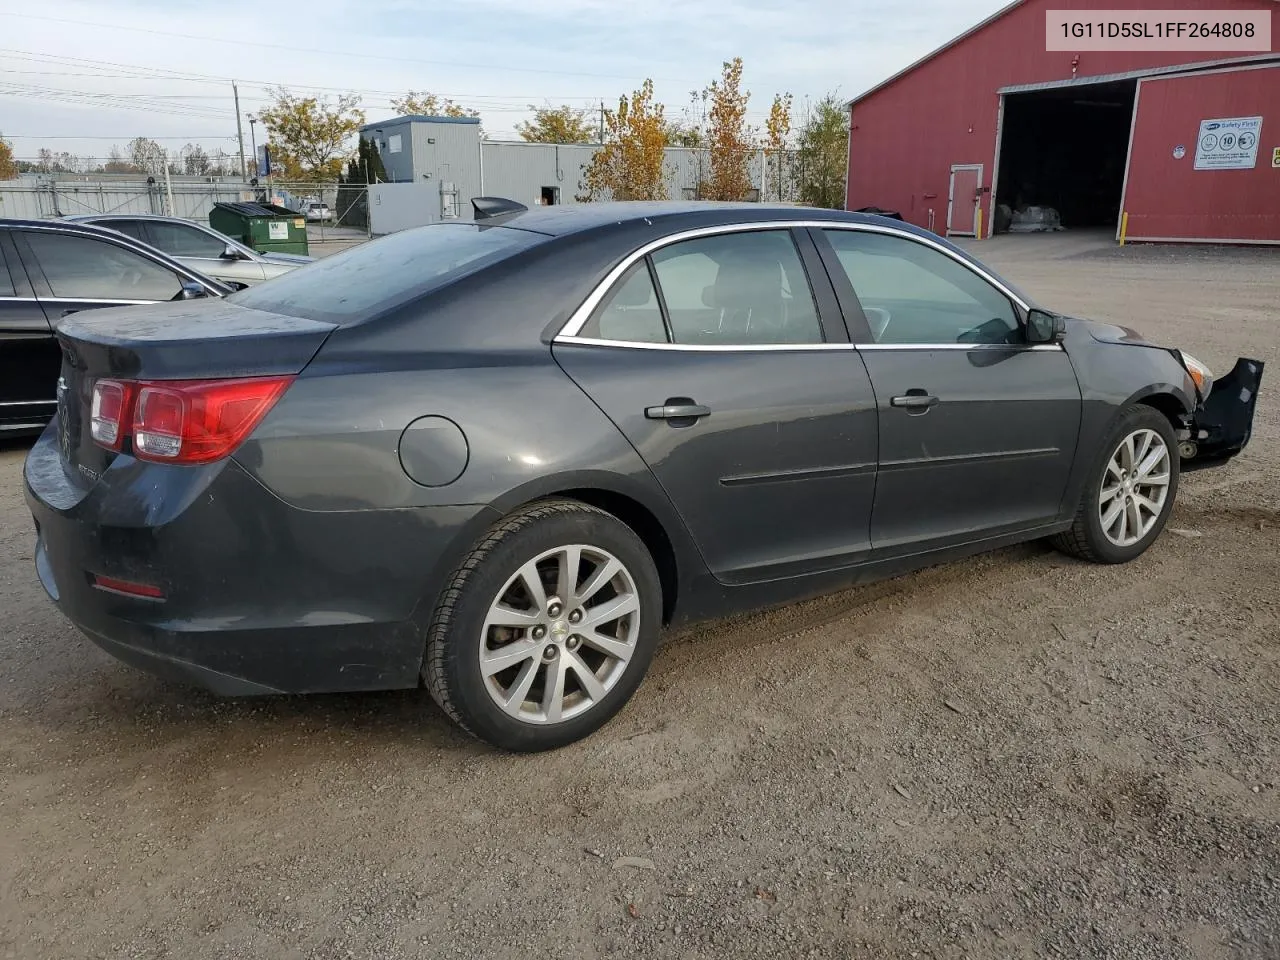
[[495, 458]]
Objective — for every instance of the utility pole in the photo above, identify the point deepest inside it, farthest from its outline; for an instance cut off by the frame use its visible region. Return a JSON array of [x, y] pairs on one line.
[[235, 92], [602, 121]]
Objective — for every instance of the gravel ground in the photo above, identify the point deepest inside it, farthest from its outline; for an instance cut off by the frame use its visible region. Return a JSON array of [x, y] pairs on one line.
[[1015, 756]]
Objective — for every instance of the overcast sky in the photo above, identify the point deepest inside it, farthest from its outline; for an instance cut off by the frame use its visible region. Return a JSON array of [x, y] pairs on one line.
[[79, 76]]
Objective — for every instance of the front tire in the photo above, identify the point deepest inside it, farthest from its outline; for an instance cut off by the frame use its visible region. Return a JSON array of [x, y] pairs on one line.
[[546, 628], [1130, 491]]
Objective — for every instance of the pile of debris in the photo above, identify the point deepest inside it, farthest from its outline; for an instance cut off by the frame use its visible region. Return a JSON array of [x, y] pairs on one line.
[[1031, 219]]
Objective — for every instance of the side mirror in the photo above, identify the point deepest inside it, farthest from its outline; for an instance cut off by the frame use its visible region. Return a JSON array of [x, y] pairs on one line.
[[192, 291], [1045, 327], [231, 253]]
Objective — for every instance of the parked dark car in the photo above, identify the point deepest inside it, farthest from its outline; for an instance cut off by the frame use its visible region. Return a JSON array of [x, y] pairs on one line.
[[52, 269], [495, 458]]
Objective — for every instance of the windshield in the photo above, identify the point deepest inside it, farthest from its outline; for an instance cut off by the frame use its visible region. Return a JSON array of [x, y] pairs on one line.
[[386, 273]]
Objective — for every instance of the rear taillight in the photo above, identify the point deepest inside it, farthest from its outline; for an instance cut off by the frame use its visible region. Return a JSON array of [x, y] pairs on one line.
[[183, 421], [107, 417]]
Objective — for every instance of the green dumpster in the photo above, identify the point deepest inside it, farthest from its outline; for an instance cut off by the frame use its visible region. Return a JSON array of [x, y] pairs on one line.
[[265, 227]]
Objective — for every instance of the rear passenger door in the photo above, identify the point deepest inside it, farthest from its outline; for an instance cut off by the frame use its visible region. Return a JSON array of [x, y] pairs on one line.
[[721, 356], [29, 354]]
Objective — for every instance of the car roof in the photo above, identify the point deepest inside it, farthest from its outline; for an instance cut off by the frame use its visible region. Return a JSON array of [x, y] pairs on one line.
[[89, 217], [562, 220], [570, 218], [65, 224]]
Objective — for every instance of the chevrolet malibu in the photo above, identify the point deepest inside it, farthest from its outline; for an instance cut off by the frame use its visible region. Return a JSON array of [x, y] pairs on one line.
[[495, 458]]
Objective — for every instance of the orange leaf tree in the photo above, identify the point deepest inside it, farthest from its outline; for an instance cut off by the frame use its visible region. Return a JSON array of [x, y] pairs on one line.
[[311, 140], [730, 141], [777, 129], [8, 168], [630, 163]]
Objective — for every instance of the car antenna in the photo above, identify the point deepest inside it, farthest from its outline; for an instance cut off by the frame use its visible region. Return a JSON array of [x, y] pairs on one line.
[[487, 207]]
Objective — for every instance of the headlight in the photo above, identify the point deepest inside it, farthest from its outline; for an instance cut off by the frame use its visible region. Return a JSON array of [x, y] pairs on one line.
[[1201, 374]]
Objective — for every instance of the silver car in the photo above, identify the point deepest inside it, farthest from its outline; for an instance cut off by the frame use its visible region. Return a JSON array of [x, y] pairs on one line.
[[198, 246]]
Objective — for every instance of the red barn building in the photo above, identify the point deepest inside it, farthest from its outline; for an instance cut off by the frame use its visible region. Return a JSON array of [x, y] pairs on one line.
[[992, 119]]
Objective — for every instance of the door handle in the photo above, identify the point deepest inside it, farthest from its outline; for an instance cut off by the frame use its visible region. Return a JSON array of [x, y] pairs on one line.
[[677, 410], [914, 400]]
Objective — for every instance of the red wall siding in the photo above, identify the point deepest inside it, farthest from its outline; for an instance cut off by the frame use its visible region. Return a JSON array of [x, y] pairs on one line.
[[905, 137], [1169, 198]]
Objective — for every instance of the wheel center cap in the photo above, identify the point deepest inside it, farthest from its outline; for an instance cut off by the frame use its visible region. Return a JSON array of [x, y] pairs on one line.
[[559, 630]]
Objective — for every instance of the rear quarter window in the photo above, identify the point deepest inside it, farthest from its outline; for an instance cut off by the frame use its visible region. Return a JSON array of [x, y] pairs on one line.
[[378, 276]]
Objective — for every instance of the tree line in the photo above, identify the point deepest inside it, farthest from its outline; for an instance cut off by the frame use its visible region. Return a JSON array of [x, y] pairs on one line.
[[311, 139], [141, 156]]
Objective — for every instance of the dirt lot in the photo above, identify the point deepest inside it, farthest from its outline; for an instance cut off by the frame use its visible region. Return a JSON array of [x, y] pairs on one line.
[[1018, 756]]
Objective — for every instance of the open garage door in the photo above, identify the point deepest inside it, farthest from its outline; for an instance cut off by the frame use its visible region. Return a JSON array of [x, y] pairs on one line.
[[1063, 149]]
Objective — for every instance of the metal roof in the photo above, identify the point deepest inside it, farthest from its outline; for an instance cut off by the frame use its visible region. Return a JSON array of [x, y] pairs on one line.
[[418, 116]]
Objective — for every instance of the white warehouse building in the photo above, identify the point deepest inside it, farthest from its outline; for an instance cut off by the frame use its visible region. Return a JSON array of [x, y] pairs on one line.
[[435, 165]]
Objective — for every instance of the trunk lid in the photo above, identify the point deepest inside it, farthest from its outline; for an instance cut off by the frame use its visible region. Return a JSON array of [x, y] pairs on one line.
[[187, 340]]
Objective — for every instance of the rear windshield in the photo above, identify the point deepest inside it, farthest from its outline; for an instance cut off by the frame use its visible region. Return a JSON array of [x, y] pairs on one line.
[[386, 273]]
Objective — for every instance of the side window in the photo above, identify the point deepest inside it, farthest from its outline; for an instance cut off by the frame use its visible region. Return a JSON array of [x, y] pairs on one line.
[[911, 293], [630, 313], [737, 289], [131, 228], [179, 240], [85, 268]]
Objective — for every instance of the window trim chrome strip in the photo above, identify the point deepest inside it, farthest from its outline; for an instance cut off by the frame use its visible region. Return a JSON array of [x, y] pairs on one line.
[[704, 347], [578, 319], [804, 347], [110, 300], [27, 403]]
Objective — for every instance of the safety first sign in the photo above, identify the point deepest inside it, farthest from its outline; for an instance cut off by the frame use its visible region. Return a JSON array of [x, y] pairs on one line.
[[1275, 158], [1230, 143]]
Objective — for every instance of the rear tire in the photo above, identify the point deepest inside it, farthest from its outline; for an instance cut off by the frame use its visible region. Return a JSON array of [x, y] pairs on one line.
[[546, 629], [1129, 492]]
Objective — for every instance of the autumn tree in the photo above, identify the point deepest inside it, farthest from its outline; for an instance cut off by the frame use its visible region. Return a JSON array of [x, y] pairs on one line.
[[730, 142], [146, 156], [563, 124], [308, 138], [424, 104], [8, 168], [777, 129], [822, 157], [630, 163], [195, 162]]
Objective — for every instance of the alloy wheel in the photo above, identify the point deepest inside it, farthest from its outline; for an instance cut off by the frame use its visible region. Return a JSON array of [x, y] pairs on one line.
[[560, 634], [1135, 486]]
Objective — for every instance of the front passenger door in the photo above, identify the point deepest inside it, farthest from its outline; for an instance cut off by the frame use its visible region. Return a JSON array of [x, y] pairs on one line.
[[978, 428], [202, 251]]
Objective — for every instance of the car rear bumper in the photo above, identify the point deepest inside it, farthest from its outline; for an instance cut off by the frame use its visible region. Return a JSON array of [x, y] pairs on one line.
[[258, 596], [1221, 427]]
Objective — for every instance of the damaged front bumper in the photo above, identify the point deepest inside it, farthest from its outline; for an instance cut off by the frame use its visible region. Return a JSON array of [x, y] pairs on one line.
[[1222, 424]]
